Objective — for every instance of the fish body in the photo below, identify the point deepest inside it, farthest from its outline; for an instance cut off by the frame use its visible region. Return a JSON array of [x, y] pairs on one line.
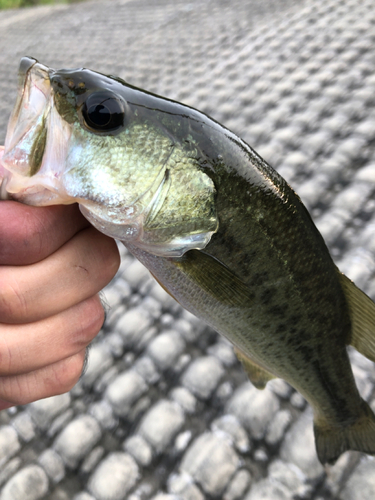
[[217, 227]]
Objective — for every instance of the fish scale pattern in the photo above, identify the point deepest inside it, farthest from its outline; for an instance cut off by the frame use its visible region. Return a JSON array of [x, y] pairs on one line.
[[164, 411]]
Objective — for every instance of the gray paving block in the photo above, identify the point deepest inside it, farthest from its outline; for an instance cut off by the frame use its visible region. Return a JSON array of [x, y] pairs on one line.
[[202, 376], [166, 348], [161, 423], [298, 447], [44, 411], [124, 390], [77, 439], [211, 461], [255, 409], [29, 483], [9, 443], [140, 449], [114, 477], [24, 426], [52, 464]]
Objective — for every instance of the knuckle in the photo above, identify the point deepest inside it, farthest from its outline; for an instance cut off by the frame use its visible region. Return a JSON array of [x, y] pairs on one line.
[[6, 358], [113, 259], [17, 389], [13, 304], [90, 322], [67, 373], [50, 381], [108, 257]]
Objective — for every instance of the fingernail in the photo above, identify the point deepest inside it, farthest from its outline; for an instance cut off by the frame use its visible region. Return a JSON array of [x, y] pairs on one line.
[[5, 404]]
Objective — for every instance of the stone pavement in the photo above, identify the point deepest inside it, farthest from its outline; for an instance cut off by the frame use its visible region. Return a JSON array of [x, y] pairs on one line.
[[164, 412]]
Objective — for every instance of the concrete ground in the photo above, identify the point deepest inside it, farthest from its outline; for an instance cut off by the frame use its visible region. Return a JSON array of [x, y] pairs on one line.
[[164, 411]]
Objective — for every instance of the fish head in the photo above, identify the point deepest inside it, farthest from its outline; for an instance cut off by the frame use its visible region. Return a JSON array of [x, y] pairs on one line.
[[79, 136]]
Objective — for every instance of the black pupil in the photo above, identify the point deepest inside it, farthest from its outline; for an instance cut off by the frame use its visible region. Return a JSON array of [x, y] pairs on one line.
[[103, 112], [99, 114]]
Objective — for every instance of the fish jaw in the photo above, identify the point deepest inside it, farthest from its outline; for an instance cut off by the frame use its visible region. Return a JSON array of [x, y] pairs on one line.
[[32, 162]]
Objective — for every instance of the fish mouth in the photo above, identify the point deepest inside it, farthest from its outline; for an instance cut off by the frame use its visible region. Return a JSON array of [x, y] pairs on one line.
[[34, 91], [36, 139]]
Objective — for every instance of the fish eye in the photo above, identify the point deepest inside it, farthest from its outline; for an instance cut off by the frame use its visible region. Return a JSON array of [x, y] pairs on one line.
[[103, 112]]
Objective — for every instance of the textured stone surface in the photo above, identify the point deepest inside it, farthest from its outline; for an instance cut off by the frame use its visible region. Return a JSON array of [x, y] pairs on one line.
[[100, 360], [125, 390], [232, 428], [267, 490], [296, 81], [114, 477], [290, 476], [277, 427], [302, 456], [361, 484], [184, 398], [161, 424], [203, 376], [52, 464], [83, 496], [24, 426], [211, 461], [9, 469], [44, 411], [9, 443], [165, 349], [102, 411], [30, 483], [255, 409], [77, 439], [238, 485], [183, 486], [140, 449], [92, 459], [132, 325]]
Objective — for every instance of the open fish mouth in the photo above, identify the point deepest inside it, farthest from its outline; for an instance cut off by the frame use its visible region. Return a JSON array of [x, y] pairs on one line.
[[29, 113], [31, 164]]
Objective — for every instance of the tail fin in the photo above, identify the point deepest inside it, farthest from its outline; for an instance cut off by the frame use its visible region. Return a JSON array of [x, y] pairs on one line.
[[331, 441]]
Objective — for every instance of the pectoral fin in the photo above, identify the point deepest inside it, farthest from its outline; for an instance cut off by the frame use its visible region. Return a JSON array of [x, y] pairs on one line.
[[258, 376], [362, 315], [215, 279]]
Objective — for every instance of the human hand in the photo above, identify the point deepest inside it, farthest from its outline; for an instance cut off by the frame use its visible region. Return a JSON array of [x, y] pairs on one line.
[[52, 266]]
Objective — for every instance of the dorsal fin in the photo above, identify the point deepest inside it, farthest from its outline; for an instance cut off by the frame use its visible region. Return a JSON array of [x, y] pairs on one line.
[[362, 315]]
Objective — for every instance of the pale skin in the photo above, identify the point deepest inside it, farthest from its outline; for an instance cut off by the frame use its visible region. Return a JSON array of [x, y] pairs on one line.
[[52, 266]]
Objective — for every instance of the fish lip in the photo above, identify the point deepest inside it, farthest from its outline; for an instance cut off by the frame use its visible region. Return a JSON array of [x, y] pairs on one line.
[[21, 176], [25, 66], [32, 104]]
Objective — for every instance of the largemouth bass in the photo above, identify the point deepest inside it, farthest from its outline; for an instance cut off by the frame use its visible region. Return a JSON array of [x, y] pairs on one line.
[[217, 227]]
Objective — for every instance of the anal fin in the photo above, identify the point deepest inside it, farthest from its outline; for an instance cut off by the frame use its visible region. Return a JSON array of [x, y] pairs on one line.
[[362, 315], [258, 376]]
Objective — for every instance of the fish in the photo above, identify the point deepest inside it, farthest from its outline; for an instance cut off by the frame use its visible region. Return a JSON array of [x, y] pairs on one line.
[[221, 231]]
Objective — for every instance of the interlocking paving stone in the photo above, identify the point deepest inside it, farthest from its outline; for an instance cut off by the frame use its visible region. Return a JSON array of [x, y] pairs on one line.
[[9, 443], [77, 439], [30, 483], [114, 477], [211, 461]]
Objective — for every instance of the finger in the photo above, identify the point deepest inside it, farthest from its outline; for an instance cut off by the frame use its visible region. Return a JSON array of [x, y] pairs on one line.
[[30, 234], [77, 271], [1, 167], [48, 381], [25, 348], [5, 404]]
